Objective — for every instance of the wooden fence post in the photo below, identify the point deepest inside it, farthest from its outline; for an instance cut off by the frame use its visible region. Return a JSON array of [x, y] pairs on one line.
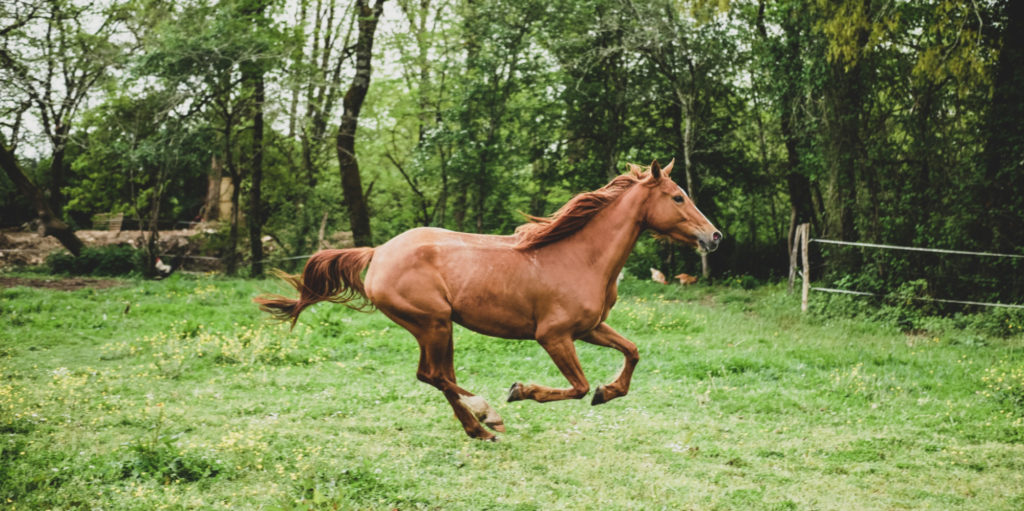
[[804, 242], [794, 250]]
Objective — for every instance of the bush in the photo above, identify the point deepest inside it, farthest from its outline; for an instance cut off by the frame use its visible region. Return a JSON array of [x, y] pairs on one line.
[[744, 281], [908, 309], [998, 322], [108, 260]]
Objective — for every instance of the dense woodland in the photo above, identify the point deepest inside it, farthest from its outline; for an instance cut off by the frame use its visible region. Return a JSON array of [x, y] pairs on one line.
[[885, 121]]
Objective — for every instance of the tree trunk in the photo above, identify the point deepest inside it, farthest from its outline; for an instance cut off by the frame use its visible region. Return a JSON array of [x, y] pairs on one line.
[[787, 57], [151, 244], [211, 210], [441, 207], [256, 219], [459, 208], [846, 95], [801, 204], [231, 259], [1004, 145], [351, 182], [687, 102], [231, 264], [538, 201], [52, 224], [481, 195], [845, 147], [58, 168]]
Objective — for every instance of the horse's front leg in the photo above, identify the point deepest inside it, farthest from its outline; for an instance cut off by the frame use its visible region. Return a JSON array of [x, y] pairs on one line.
[[604, 335], [563, 353]]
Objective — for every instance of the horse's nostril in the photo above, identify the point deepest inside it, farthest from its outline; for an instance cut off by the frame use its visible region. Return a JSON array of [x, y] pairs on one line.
[[716, 236]]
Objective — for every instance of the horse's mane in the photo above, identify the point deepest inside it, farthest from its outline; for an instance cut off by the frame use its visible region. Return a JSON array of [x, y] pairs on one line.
[[571, 217]]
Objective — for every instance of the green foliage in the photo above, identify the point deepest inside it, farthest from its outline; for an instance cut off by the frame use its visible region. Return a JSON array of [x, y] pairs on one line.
[[997, 322], [154, 456], [741, 281], [1006, 383], [876, 121], [109, 260]]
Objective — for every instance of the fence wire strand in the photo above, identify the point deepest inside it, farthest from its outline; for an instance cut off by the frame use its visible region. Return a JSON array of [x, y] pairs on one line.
[[915, 249], [920, 299]]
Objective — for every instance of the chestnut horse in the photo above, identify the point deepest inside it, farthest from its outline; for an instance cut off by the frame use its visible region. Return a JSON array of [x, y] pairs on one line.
[[554, 281]]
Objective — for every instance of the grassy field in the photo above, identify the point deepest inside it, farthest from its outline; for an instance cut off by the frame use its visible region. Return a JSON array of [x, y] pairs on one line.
[[178, 394]]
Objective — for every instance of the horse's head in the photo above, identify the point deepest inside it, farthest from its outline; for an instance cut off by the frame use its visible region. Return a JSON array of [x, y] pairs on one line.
[[670, 213]]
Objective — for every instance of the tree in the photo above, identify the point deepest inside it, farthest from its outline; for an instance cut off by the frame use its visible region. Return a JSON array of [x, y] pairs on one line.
[[57, 66], [51, 223], [351, 182], [416, 146], [253, 73], [690, 62], [216, 56], [587, 39], [783, 57], [53, 55], [1003, 153], [317, 67]]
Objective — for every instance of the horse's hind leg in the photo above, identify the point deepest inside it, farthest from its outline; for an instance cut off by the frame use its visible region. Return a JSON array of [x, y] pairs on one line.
[[563, 353], [604, 335], [437, 368]]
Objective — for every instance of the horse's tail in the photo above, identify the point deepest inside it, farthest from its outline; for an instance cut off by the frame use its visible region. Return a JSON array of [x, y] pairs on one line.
[[329, 276]]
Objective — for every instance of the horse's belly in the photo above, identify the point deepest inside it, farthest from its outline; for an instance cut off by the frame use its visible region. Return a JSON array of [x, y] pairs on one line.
[[496, 321]]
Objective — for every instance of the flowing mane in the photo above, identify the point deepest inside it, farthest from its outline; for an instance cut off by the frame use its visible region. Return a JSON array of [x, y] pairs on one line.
[[571, 217]]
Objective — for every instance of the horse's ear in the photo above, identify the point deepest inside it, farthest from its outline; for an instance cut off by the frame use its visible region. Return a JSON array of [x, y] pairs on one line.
[[668, 168], [655, 170]]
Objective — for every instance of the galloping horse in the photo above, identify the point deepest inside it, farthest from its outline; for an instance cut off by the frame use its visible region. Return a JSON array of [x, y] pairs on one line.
[[554, 280]]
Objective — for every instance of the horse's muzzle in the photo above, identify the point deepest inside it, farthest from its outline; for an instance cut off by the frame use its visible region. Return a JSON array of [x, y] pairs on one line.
[[709, 243]]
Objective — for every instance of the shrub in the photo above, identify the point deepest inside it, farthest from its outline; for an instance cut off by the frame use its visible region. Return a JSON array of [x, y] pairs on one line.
[[108, 260], [998, 322]]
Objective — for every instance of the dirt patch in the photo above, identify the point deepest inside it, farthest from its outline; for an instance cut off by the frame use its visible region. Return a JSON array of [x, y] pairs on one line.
[[68, 284], [29, 248], [182, 249]]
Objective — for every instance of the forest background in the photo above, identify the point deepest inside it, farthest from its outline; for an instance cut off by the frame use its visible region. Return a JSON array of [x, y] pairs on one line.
[[880, 121]]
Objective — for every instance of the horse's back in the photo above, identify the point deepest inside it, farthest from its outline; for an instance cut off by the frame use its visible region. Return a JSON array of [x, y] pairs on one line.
[[436, 246]]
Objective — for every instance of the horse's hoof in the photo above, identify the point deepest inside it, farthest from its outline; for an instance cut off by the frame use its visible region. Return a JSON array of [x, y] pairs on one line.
[[515, 393], [482, 435], [598, 396]]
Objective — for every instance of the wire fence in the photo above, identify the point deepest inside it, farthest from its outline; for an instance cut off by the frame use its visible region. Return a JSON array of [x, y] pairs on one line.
[[919, 298], [915, 249], [957, 281], [220, 261]]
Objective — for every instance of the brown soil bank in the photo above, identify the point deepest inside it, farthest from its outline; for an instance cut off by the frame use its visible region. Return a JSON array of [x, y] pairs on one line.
[[69, 284]]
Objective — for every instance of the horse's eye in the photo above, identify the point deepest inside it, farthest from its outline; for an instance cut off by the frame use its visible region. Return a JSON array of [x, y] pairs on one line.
[[678, 199]]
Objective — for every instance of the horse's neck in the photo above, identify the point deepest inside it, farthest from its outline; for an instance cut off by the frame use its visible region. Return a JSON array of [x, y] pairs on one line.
[[605, 242]]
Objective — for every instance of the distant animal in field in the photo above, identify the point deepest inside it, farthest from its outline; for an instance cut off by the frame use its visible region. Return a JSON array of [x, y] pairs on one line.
[[553, 281], [163, 269], [685, 279], [658, 277]]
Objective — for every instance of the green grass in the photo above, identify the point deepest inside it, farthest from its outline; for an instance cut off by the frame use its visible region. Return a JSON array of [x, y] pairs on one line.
[[192, 400]]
